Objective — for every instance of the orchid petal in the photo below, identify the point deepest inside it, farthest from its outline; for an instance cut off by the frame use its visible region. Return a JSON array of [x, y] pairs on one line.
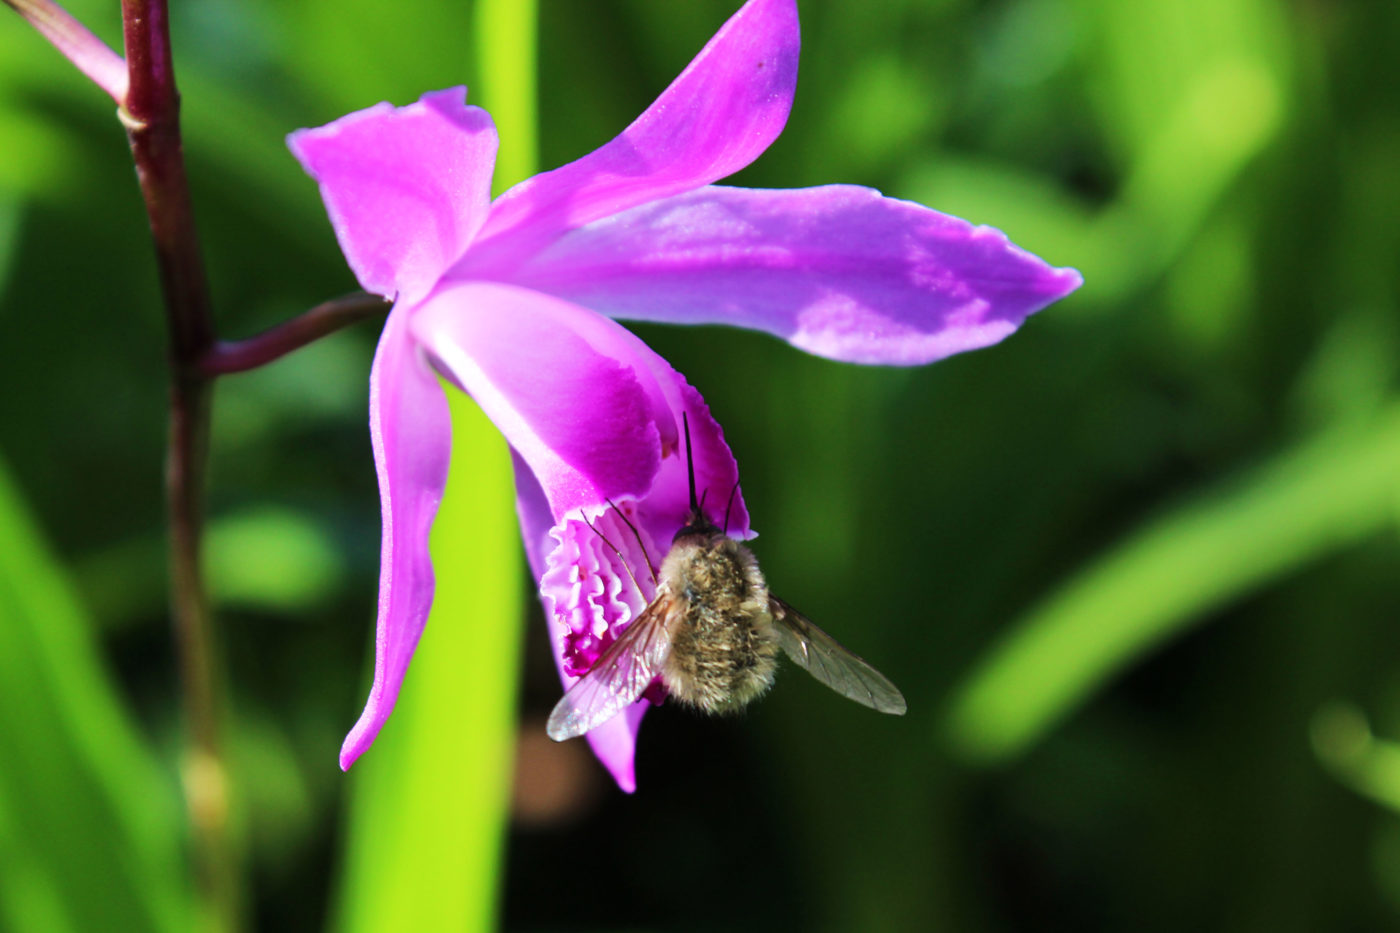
[[548, 373], [716, 472], [839, 271], [536, 517], [406, 188], [719, 115], [411, 433], [615, 744]]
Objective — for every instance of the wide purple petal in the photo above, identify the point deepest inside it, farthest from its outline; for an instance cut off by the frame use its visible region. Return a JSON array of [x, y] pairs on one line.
[[728, 105], [573, 392], [839, 271], [406, 188], [411, 433]]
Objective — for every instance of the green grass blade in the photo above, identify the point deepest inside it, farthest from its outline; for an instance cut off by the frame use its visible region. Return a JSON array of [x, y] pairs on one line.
[[505, 51], [89, 823], [1327, 494]]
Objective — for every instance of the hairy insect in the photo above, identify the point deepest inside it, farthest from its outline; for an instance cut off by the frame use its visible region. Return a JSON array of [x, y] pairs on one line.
[[712, 636]]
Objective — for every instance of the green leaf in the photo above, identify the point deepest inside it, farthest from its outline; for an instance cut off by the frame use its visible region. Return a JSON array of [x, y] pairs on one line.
[[89, 823], [508, 90], [1194, 90], [1326, 495]]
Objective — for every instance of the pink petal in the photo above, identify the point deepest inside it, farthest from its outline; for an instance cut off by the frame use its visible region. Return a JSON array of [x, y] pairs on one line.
[[572, 391], [728, 105], [664, 510], [536, 517], [615, 744], [406, 188], [411, 434], [839, 271]]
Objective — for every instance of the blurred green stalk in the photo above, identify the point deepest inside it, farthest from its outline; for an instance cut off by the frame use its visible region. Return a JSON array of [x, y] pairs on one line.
[[430, 802], [90, 826], [505, 44], [1329, 493]]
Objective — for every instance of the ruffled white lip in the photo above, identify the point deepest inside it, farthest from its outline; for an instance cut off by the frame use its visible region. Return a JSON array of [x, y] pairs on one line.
[[597, 580]]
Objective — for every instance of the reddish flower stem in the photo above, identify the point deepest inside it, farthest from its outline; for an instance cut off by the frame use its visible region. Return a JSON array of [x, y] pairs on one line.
[[149, 106], [326, 318], [151, 113]]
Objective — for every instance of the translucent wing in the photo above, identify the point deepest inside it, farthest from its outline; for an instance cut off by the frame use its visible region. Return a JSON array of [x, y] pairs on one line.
[[826, 660], [618, 679]]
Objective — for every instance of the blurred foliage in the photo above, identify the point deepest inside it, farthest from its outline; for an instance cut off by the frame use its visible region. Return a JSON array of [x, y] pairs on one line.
[[88, 825], [1135, 569]]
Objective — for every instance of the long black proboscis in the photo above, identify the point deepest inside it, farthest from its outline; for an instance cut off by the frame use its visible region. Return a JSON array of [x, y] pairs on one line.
[[690, 464]]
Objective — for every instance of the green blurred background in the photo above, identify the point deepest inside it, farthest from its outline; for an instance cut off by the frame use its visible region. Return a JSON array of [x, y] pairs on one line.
[[1135, 569]]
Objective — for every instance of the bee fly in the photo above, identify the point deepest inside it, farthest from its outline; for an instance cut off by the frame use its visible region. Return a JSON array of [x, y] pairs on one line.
[[712, 635]]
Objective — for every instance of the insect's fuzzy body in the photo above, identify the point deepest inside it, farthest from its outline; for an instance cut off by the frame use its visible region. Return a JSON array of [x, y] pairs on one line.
[[711, 635], [724, 651]]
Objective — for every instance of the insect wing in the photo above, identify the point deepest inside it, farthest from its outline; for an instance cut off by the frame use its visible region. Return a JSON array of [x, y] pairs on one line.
[[824, 658], [618, 678]]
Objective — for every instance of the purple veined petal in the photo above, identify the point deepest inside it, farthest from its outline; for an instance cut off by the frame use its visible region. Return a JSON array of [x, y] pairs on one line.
[[411, 433], [407, 188], [663, 510], [572, 391], [839, 271], [719, 115]]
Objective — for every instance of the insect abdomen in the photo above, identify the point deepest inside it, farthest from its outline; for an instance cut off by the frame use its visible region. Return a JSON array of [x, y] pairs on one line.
[[723, 648]]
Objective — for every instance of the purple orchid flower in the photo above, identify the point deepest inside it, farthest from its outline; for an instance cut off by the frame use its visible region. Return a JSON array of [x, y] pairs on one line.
[[513, 301]]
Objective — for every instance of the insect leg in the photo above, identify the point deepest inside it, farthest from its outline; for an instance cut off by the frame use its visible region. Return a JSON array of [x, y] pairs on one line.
[[625, 566], [729, 505], [638, 535]]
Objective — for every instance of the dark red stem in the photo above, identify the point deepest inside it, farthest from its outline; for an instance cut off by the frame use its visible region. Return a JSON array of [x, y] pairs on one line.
[[152, 117], [144, 87], [240, 355]]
